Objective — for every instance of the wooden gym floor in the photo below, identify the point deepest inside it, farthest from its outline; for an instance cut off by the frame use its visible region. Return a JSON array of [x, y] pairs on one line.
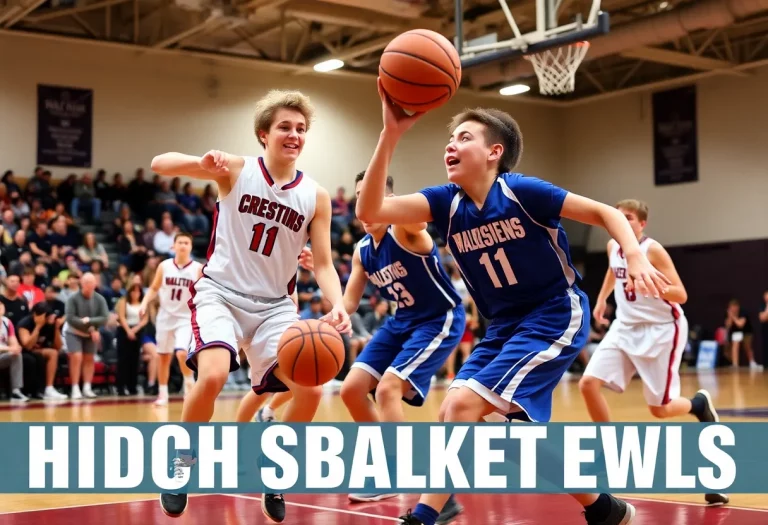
[[739, 396]]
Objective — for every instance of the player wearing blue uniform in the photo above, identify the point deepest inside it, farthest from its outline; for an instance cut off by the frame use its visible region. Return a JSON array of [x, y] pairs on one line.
[[504, 232], [398, 363]]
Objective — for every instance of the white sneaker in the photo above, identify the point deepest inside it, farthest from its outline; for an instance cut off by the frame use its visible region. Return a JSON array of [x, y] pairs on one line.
[[76, 394], [161, 401], [52, 393], [87, 392], [16, 395]]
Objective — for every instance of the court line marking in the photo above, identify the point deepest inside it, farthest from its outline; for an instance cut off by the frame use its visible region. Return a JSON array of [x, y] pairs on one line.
[[318, 507], [692, 504], [99, 504]]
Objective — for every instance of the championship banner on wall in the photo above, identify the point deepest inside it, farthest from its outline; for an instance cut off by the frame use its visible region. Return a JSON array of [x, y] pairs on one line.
[[405, 458], [64, 126], [675, 136]]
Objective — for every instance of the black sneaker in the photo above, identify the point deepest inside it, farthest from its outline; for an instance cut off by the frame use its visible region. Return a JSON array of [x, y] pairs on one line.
[[273, 507], [173, 505], [409, 519], [622, 513], [709, 414], [451, 510], [717, 499]]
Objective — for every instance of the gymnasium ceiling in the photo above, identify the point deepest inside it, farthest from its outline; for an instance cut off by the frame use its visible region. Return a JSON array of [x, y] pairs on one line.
[[651, 44]]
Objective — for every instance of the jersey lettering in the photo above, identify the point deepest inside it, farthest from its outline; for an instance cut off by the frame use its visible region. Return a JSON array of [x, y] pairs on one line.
[[388, 274], [497, 232], [273, 211]]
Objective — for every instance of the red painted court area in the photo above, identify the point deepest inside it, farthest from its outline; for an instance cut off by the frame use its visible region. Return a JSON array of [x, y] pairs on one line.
[[334, 509]]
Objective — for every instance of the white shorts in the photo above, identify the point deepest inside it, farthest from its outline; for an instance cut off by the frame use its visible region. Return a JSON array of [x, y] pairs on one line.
[[176, 337], [653, 351], [224, 318]]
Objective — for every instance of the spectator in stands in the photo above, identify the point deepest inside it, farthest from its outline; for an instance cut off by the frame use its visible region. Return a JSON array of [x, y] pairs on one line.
[[91, 251], [40, 337], [138, 192], [10, 183], [64, 239], [150, 229], [163, 240], [346, 246], [314, 310], [19, 206], [86, 312], [739, 328], [55, 305], [208, 201], [129, 339], [101, 188], [194, 220], [118, 192], [16, 306], [764, 323], [166, 200], [40, 244], [115, 292], [5, 200], [9, 223], [306, 287], [20, 245], [28, 289], [102, 279], [124, 216], [10, 356], [131, 248], [85, 198], [66, 191]]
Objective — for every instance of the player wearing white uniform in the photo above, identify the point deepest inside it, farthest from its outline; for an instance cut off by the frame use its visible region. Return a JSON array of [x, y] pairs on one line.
[[172, 282], [266, 213], [648, 336]]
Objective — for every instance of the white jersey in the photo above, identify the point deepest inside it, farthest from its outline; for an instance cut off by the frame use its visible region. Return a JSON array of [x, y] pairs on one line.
[[174, 293], [632, 307], [259, 230]]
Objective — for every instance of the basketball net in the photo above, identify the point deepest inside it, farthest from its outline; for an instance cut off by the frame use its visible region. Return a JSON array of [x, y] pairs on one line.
[[556, 68]]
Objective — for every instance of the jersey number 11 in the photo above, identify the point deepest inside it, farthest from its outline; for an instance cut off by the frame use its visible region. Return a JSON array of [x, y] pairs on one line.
[[501, 257]]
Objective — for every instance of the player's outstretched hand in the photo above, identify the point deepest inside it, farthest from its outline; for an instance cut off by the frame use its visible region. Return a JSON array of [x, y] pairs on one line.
[[215, 161], [644, 278], [307, 260], [396, 120], [339, 319]]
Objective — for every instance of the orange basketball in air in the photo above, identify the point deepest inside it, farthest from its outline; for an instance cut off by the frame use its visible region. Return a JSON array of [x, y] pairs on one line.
[[310, 352], [420, 70]]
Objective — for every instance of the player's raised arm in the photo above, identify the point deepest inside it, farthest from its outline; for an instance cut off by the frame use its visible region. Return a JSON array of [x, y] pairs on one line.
[[325, 272], [355, 284], [642, 275], [371, 206], [218, 166]]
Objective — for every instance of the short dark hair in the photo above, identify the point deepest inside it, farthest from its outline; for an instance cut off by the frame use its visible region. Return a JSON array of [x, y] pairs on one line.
[[390, 181], [500, 128], [41, 308], [183, 234]]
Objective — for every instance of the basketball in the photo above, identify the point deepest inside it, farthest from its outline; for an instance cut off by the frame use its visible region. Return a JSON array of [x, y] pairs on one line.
[[310, 352], [420, 70]]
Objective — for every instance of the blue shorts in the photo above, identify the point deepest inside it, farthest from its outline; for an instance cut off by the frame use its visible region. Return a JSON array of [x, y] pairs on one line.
[[520, 361], [414, 352]]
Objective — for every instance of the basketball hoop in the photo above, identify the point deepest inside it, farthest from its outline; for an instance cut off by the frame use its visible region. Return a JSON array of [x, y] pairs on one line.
[[556, 68]]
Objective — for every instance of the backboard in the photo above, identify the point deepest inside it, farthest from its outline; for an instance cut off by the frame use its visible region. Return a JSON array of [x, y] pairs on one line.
[[554, 49]]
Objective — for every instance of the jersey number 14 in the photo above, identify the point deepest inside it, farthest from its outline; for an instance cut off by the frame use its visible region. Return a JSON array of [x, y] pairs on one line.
[[506, 268]]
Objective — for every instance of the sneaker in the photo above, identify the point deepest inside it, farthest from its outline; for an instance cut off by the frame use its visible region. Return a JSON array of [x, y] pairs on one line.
[[174, 504], [367, 497], [161, 401], [16, 395], [261, 419], [76, 394], [709, 415], [622, 513], [52, 393], [450, 512], [717, 499], [88, 392], [409, 519], [273, 507]]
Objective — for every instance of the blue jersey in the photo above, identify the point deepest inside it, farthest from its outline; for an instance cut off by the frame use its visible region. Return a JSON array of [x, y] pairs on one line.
[[417, 283], [513, 253]]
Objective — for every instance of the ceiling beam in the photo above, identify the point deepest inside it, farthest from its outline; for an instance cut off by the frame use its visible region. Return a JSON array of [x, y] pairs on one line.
[[676, 58], [22, 11], [56, 13], [388, 7], [197, 28], [355, 17]]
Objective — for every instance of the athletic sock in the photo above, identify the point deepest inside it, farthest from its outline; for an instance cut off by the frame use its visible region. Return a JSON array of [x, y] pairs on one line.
[[425, 514], [162, 391], [697, 405], [599, 510]]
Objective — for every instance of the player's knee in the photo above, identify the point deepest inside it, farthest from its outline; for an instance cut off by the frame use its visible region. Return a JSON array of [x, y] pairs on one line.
[[307, 395], [462, 406], [659, 412], [589, 384], [352, 392], [389, 389]]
